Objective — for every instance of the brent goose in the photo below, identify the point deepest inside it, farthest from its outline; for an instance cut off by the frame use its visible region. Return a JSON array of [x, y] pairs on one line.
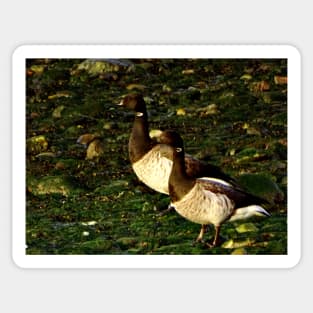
[[206, 200]]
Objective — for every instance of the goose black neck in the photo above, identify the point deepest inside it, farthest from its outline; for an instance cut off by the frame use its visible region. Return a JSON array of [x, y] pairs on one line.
[[140, 141], [179, 182]]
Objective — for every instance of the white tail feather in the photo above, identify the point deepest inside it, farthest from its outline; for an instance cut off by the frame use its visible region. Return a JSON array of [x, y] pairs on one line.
[[248, 211]]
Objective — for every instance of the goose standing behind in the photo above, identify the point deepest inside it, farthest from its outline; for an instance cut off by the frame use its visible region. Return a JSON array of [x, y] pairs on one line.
[[205, 200], [152, 167]]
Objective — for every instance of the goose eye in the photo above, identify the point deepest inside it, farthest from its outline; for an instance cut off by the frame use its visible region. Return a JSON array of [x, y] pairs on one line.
[[179, 149]]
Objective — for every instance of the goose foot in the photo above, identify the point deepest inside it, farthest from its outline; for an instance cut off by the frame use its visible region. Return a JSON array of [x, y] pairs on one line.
[[203, 230], [212, 245], [205, 243], [216, 240], [200, 239]]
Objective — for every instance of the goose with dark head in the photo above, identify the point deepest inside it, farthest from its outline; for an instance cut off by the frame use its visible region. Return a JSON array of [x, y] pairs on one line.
[[139, 141], [206, 200], [152, 161]]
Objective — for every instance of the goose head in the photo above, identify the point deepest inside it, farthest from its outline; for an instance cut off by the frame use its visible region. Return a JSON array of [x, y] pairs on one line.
[[173, 139], [134, 102]]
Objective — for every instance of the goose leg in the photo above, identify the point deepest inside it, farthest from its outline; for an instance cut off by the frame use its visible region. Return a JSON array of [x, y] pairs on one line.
[[216, 237], [202, 232]]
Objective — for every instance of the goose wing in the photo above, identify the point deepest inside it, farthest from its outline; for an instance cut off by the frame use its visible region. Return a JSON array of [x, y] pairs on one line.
[[240, 197], [197, 168]]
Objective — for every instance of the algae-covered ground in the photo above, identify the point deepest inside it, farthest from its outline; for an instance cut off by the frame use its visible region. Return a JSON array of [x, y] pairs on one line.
[[231, 113]]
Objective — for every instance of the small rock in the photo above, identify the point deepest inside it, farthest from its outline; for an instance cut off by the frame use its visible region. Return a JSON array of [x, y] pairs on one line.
[[38, 69], [95, 147], [96, 67], [248, 155], [281, 80], [284, 181], [51, 184], [246, 77], [60, 94], [166, 88], [89, 223], [60, 165], [155, 133], [253, 131], [47, 154], [239, 251], [232, 152], [136, 86], [34, 115], [119, 183], [226, 96], [86, 139], [95, 150], [246, 227], [126, 242], [107, 125], [259, 86], [211, 109], [188, 71], [36, 144], [57, 111], [231, 244], [180, 111]]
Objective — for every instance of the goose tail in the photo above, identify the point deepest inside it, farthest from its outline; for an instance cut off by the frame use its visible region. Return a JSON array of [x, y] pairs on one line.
[[249, 211]]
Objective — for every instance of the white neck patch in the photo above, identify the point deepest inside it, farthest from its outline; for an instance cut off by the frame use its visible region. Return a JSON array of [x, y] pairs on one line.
[[139, 114]]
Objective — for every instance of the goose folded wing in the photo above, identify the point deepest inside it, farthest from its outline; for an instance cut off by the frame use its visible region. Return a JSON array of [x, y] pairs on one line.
[[240, 197], [197, 168]]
